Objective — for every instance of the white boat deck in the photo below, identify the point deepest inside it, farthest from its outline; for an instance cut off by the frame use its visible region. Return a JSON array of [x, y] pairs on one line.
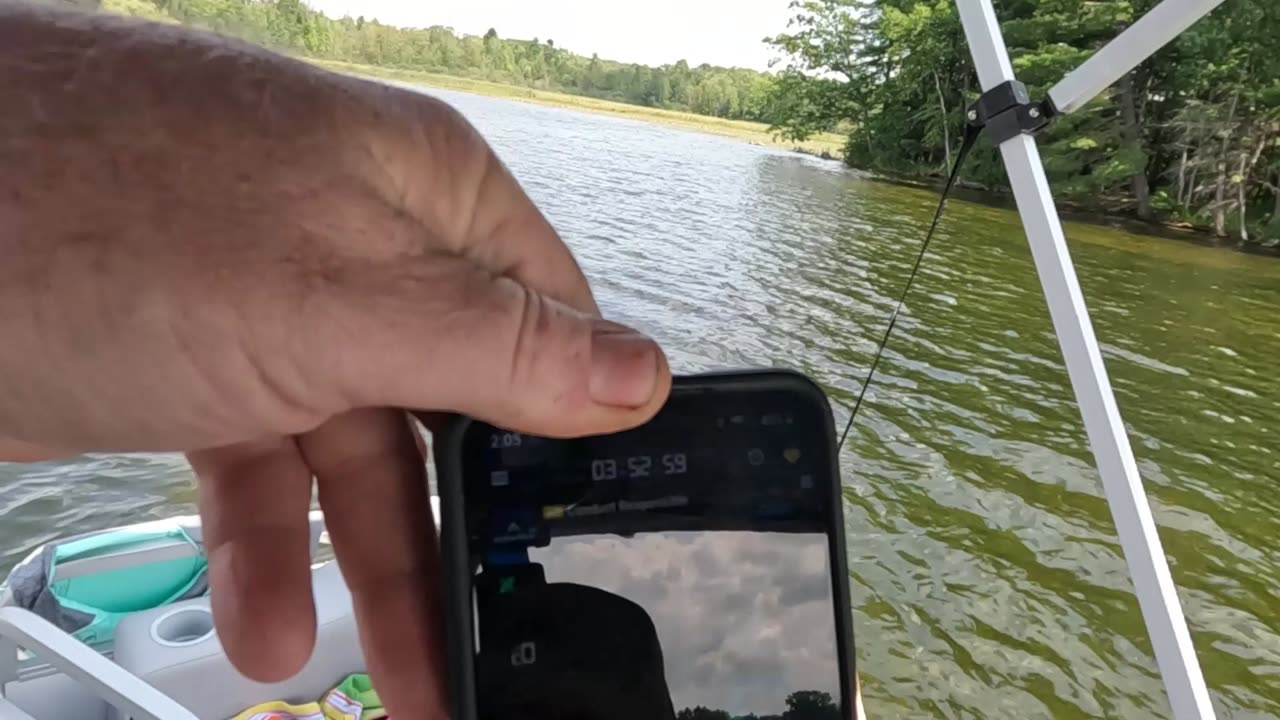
[[166, 663]]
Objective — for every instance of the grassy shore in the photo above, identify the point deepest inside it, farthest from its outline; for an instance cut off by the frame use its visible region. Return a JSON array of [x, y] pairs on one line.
[[827, 144]]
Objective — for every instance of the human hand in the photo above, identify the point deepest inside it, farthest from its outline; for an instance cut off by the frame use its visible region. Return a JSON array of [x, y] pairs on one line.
[[212, 249]]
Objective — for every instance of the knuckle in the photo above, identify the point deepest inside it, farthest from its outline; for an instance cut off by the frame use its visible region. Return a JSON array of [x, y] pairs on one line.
[[531, 325], [546, 355]]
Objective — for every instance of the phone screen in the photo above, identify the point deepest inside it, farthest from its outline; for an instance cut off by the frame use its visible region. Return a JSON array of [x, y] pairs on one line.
[[684, 569]]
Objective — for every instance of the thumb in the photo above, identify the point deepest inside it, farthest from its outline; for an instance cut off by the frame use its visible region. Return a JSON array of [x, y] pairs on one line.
[[462, 340]]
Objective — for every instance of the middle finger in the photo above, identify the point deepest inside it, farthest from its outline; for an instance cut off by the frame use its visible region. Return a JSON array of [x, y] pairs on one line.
[[373, 489]]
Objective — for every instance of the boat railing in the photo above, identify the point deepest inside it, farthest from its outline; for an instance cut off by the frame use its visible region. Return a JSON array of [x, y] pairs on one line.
[[140, 554], [23, 629], [21, 663], [32, 647], [162, 550], [33, 667]]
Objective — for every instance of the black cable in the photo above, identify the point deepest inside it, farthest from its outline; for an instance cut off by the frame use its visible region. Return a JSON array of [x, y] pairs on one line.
[[971, 134]]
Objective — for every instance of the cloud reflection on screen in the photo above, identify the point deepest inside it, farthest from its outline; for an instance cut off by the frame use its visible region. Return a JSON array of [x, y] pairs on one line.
[[744, 618]]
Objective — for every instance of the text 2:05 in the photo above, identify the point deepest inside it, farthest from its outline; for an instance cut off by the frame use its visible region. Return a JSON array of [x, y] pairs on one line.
[[505, 440]]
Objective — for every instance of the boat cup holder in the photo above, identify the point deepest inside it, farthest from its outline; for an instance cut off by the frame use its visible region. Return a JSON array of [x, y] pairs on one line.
[[182, 627]]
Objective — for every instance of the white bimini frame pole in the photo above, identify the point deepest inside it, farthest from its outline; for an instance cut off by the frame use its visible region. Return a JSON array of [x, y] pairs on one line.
[[1157, 595]]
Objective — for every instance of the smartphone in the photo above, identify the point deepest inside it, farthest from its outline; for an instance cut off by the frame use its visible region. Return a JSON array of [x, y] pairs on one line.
[[693, 565]]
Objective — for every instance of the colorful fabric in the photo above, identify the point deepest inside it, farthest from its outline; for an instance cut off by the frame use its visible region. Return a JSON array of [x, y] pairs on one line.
[[337, 706], [279, 710], [353, 699]]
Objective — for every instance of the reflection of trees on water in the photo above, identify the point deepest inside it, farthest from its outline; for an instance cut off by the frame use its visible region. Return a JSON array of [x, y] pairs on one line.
[[801, 705]]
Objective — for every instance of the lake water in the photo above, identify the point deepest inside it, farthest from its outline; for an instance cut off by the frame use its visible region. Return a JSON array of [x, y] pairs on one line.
[[987, 580]]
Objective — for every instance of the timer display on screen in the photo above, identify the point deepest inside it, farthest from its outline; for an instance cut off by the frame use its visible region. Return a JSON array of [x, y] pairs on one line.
[[639, 466]]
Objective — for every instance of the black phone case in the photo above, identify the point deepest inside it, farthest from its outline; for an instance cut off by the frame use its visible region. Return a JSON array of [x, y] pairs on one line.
[[459, 632]]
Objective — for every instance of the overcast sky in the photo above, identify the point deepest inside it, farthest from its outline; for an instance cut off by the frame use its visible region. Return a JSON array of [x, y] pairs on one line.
[[744, 619], [654, 32]]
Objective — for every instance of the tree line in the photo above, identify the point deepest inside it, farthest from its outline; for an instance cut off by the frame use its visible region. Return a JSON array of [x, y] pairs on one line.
[[293, 26], [1192, 135], [801, 705]]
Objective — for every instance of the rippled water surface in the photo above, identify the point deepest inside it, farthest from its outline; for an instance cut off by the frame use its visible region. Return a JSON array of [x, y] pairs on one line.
[[987, 579]]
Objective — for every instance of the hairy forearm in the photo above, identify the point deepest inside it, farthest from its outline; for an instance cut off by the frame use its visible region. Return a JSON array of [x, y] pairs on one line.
[[130, 94], [126, 143], [44, 46], [106, 110], [55, 56], [154, 178]]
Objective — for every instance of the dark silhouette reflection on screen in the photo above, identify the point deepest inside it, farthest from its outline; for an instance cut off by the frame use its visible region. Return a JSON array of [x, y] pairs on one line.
[[570, 652], [676, 625]]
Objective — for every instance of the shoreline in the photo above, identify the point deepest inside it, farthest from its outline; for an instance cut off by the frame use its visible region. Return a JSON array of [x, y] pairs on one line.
[[828, 146], [1073, 212]]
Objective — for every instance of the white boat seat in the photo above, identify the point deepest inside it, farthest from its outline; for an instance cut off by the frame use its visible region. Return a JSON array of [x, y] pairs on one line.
[[9, 711], [192, 672], [176, 650]]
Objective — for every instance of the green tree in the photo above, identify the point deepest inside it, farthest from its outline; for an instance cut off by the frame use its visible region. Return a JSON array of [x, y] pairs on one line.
[[660, 89], [1193, 134], [702, 713], [679, 77], [292, 26], [811, 705], [594, 78]]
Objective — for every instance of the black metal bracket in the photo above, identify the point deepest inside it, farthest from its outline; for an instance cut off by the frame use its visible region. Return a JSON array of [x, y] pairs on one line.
[[1006, 111]]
